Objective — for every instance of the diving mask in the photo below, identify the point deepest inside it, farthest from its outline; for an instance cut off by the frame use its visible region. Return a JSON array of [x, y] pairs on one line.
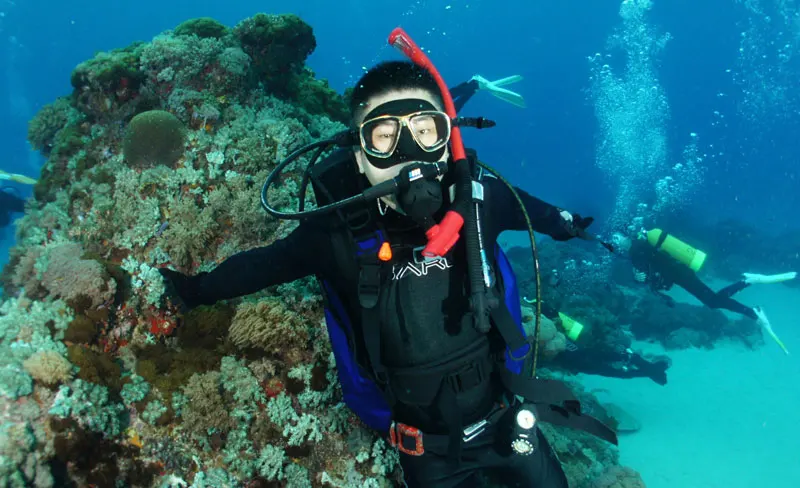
[[404, 130]]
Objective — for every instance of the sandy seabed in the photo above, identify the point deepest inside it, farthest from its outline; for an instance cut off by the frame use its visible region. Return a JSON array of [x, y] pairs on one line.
[[729, 417]]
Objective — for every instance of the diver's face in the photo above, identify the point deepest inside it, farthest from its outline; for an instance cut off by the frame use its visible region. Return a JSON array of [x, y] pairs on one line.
[[426, 134]]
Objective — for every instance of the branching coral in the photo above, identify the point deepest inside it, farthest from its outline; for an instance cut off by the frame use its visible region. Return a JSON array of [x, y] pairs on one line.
[[190, 231], [269, 325]]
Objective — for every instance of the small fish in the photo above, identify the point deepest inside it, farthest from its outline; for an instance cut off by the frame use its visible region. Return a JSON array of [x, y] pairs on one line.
[[162, 228]]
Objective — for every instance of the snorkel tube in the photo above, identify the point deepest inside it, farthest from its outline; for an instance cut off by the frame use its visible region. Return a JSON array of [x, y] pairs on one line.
[[442, 236]]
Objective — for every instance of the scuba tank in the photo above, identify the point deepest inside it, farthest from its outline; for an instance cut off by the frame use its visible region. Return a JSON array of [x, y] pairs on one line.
[[572, 327], [686, 254]]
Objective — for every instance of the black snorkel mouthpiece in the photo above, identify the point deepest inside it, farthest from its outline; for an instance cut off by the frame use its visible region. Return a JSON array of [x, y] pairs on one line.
[[419, 192], [414, 181], [403, 182]]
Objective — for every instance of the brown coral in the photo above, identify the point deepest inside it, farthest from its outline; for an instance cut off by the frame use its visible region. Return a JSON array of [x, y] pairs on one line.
[[48, 367], [269, 325], [206, 408]]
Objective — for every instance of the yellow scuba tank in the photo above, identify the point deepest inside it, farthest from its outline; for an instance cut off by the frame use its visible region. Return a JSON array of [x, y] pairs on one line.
[[686, 254], [572, 327]]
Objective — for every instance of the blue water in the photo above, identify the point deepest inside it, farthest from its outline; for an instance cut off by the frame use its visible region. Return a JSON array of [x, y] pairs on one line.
[[549, 148]]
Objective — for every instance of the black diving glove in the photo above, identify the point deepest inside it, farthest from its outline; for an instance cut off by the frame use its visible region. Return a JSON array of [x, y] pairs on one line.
[[572, 225], [181, 289]]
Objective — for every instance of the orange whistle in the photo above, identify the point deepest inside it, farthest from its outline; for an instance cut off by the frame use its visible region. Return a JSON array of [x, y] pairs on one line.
[[385, 253]]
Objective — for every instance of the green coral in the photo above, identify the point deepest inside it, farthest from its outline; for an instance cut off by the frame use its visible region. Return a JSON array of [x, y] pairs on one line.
[[214, 478], [145, 278], [153, 138], [135, 390], [202, 27], [23, 332], [270, 462], [182, 62], [318, 98], [154, 410], [20, 464], [91, 406], [297, 476], [15, 381], [278, 46], [110, 70], [45, 128]]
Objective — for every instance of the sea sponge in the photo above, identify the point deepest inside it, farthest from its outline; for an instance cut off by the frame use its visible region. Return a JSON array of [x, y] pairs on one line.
[[551, 340], [152, 138], [68, 276], [48, 367]]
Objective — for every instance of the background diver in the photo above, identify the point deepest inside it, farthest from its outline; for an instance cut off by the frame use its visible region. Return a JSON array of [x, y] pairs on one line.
[[10, 203], [455, 411], [10, 199], [661, 260], [613, 360]]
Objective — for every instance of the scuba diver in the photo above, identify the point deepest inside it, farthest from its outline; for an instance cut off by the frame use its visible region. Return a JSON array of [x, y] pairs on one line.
[[613, 360], [10, 199], [9, 203], [621, 362], [421, 306], [661, 260]]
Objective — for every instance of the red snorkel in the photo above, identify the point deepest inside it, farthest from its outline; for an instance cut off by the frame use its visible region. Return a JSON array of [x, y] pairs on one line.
[[443, 236]]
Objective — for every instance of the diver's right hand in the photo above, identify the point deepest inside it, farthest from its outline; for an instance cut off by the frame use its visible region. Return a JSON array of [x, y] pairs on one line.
[[640, 276], [179, 289]]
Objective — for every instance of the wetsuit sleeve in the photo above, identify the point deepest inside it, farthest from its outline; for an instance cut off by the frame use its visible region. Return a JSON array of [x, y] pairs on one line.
[[298, 255], [462, 92], [545, 218], [11, 203]]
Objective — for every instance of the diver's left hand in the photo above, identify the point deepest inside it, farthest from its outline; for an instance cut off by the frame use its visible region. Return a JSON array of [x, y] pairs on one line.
[[573, 224]]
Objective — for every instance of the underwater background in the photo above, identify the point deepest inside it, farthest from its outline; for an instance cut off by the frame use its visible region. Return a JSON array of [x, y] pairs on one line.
[[681, 114]]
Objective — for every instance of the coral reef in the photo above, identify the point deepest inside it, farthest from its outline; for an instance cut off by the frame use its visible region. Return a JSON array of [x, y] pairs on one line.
[[156, 160]]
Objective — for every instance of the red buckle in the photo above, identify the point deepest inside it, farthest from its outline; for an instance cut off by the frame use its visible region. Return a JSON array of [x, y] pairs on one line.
[[396, 434]]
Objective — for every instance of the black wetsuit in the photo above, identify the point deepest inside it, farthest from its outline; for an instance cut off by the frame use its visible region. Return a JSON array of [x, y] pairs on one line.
[[622, 363], [663, 271], [9, 203], [611, 360], [424, 318]]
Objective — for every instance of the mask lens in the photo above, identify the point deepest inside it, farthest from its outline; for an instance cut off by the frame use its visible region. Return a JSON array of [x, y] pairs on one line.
[[379, 136], [431, 130]]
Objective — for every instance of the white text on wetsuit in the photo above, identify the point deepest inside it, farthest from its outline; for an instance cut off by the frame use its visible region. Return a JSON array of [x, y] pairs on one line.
[[419, 269]]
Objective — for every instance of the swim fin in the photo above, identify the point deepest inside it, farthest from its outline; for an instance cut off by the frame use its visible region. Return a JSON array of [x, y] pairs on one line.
[[25, 180], [759, 279], [763, 321], [495, 88]]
